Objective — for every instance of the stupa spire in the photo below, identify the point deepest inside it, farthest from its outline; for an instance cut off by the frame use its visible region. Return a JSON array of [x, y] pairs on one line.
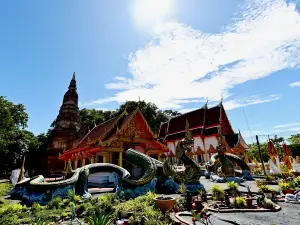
[[73, 82]]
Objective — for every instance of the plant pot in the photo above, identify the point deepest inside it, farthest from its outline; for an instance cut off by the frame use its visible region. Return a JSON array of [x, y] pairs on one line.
[[165, 203], [249, 201], [198, 205], [288, 191]]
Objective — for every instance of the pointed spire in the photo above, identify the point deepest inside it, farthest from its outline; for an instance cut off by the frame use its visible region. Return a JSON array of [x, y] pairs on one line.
[[73, 82], [204, 116], [188, 133]]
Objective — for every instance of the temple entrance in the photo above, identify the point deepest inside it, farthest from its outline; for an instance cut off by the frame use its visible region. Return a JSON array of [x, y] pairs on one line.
[[99, 159], [101, 179]]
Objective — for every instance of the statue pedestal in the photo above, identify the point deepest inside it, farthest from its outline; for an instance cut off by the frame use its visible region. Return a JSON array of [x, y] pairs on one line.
[[218, 179]]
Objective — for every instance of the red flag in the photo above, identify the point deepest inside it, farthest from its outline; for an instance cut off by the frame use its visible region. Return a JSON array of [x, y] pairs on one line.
[[286, 150], [271, 148]]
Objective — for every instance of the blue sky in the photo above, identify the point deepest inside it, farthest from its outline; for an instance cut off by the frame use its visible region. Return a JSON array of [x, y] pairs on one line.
[[168, 52]]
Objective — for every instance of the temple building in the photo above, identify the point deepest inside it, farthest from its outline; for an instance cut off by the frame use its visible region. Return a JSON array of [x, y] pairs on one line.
[[206, 125], [66, 130], [107, 142], [104, 143]]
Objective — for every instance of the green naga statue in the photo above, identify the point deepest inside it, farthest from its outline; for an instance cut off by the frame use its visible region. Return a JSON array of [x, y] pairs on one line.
[[223, 165], [192, 172]]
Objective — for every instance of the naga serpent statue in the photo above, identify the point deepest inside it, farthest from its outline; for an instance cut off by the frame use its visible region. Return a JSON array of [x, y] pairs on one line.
[[36, 189], [192, 172], [156, 177], [222, 164]]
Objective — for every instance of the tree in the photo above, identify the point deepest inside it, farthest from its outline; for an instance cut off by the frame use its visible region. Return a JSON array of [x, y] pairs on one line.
[[278, 141], [13, 120], [294, 139], [153, 116], [253, 152], [92, 117]]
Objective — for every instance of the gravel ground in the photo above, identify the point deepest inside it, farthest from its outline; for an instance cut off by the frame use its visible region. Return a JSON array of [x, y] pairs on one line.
[[288, 215]]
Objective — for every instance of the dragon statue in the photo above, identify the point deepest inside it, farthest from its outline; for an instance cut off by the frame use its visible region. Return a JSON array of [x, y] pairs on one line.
[[192, 173], [36, 189], [222, 164], [156, 177]]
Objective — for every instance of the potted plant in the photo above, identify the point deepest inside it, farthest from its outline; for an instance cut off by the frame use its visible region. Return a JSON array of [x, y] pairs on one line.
[[287, 187], [249, 199], [266, 190], [198, 203], [297, 180], [164, 203], [240, 202], [217, 192], [233, 188]]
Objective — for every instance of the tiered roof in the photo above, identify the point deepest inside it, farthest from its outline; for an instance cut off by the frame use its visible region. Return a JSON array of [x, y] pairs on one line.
[[203, 122], [113, 130]]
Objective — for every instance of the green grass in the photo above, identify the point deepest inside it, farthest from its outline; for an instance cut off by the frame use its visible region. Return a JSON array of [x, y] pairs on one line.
[[4, 188]]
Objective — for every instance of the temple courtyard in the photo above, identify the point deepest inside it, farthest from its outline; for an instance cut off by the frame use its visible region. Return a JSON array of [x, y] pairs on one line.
[[288, 215]]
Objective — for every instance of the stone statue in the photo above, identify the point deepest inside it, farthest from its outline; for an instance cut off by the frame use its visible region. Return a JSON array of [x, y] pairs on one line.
[[223, 165]]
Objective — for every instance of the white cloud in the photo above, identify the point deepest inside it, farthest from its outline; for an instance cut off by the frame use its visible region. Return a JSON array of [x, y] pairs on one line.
[[187, 110], [287, 125], [182, 64], [247, 133], [295, 84], [253, 100]]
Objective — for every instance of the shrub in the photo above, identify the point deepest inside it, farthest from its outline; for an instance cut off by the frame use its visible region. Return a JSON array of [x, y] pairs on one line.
[[268, 204], [4, 188], [297, 180], [105, 202], [9, 219], [240, 202], [85, 209], [265, 189], [287, 185], [69, 168], [55, 203], [283, 168], [11, 208], [98, 218], [36, 207], [260, 183], [141, 207], [77, 198], [234, 187], [217, 192]]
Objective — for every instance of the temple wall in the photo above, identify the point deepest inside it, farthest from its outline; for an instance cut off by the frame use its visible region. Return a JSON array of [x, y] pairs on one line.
[[198, 143], [211, 141]]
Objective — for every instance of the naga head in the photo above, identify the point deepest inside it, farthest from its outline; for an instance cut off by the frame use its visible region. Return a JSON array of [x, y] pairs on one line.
[[188, 141]]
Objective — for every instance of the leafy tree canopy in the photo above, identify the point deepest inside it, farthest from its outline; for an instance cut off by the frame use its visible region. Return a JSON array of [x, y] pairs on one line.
[[294, 139], [15, 141]]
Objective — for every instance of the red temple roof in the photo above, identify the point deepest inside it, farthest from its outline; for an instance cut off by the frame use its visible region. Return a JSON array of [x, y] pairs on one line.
[[209, 118], [106, 133]]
